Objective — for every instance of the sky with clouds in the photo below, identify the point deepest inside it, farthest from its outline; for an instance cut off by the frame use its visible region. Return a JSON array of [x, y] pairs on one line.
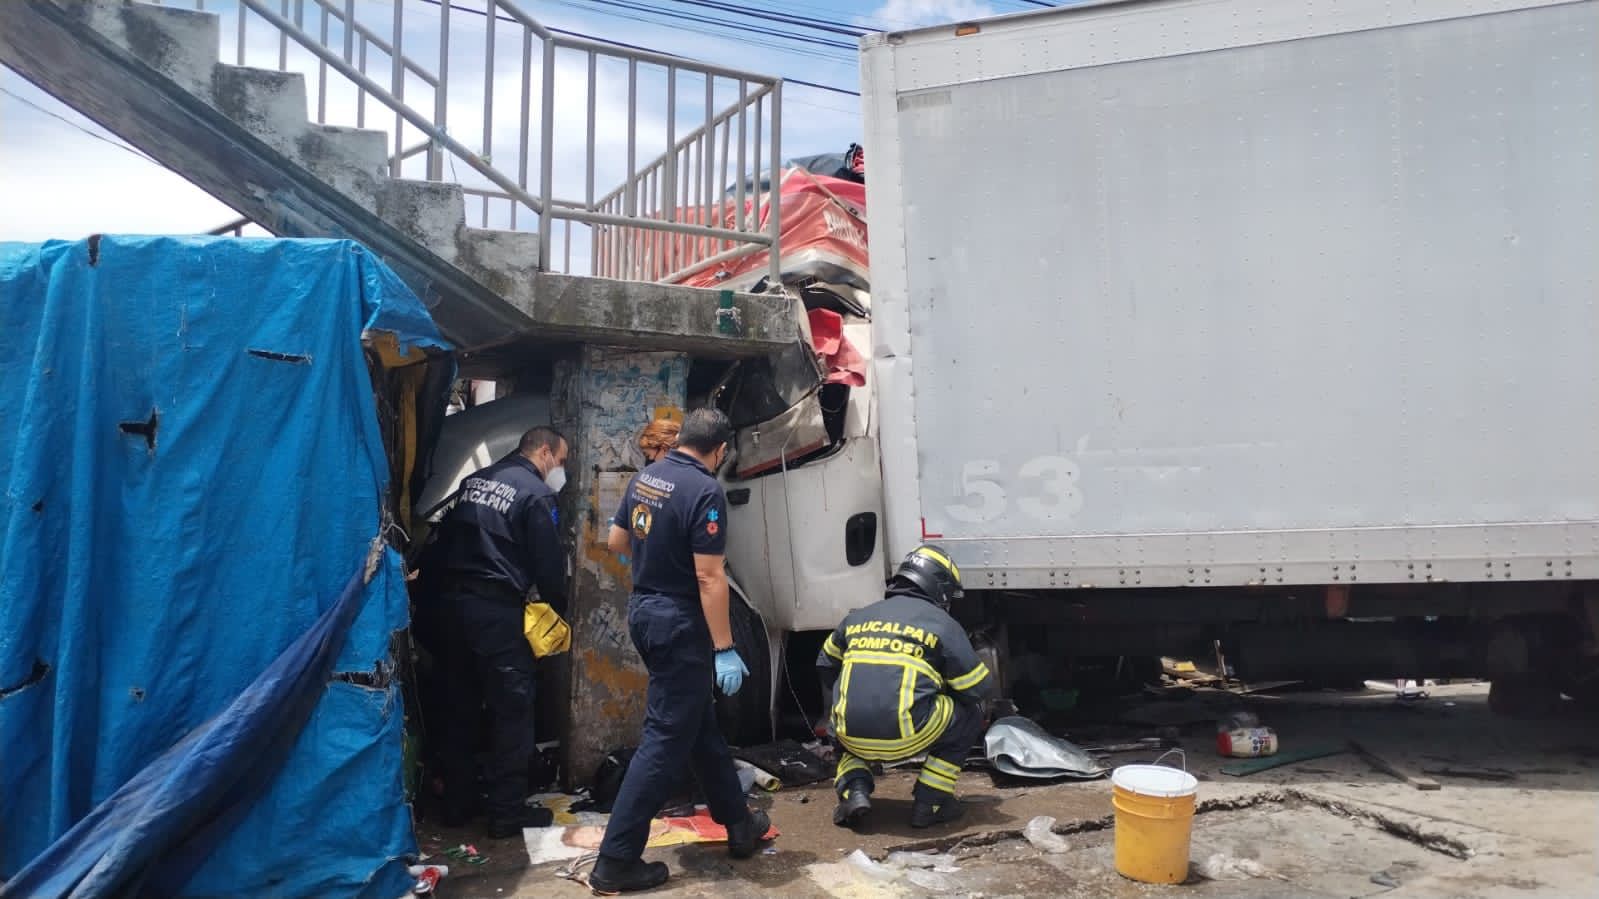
[[63, 176]]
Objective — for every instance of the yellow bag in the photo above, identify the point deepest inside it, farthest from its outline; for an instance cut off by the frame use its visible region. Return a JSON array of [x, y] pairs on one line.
[[546, 631]]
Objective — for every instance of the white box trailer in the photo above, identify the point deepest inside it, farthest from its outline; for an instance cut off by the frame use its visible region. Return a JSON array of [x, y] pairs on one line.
[[1297, 300], [1188, 293]]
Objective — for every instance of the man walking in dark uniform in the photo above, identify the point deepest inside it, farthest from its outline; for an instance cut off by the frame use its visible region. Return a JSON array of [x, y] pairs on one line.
[[907, 682], [673, 522], [498, 541]]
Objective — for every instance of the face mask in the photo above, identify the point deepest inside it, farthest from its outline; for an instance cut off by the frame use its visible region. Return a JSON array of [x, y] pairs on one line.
[[556, 478]]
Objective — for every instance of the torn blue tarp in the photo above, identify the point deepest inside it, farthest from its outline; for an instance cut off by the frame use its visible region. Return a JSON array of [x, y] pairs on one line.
[[192, 469]]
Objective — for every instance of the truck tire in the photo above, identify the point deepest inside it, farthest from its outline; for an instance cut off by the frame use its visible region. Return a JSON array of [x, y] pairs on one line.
[[746, 718], [1524, 696]]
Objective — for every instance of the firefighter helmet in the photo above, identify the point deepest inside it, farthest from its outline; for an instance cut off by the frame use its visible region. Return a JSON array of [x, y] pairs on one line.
[[933, 573]]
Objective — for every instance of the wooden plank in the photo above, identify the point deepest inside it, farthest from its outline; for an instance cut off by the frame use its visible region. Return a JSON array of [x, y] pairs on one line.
[[1394, 769]]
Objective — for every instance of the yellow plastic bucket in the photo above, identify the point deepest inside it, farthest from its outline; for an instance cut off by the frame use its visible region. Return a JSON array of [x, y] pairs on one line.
[[1154, 821]]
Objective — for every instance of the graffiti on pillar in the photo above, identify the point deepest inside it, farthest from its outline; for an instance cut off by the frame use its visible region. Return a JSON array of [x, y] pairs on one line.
[[606, 629]]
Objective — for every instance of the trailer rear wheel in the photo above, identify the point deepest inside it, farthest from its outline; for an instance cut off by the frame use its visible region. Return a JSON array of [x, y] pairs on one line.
[[1524, 696]]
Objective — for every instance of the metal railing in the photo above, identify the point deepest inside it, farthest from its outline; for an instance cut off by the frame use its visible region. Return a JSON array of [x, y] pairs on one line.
[[428, 62]]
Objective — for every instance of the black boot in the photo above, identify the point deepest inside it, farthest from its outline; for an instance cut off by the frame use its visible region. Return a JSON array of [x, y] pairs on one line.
[[854, 801], [610, 876], [503, 825], [743, 837], [928, 811]]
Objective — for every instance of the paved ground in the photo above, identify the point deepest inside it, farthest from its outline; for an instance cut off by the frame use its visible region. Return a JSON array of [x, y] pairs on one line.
[[1329, 827]]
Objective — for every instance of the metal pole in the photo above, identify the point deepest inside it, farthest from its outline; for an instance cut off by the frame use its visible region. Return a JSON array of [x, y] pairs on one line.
[[349, 29], [669, 182], [360, 95], [488, 80], [524, 125], [283, 40], [696, 162], [322, 73], [632, 137], [547, 151], [588, 168], [630, 186], [743, 140], [721, 183], [755, 201], [441, 96], [708, 160], [773, 206], [397, 80], [242, 13]]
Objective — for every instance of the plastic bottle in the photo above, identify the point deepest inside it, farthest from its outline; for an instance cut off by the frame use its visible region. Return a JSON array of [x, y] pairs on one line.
[[1247, 742]]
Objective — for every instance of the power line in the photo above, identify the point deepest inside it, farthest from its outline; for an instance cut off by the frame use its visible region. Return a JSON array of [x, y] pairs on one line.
[[804, 21], [1036, 3], [830, 55], [623, 44], [723, 23], [66, 121], [627, 46]]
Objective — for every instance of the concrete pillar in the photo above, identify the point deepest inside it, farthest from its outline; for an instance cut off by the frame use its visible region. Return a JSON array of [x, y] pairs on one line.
[[601, 398]]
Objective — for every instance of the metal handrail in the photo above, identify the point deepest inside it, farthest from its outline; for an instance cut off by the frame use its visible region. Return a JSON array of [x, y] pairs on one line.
[[665, 218]]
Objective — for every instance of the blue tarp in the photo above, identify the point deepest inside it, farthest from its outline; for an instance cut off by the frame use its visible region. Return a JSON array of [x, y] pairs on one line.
[[193, 474]]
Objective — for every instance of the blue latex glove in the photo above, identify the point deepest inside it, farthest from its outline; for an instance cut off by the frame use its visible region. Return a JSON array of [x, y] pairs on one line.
[[730, 671]]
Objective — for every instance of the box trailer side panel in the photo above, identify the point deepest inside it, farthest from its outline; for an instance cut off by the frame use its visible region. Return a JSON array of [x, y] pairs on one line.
[[1166, 300]]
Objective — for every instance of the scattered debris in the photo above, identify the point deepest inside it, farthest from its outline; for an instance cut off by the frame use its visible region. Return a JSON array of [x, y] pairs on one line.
[[929, 871], [1409, 691], [792, 764], [1393, 769], [1221, 866], [1263, 687], [1497, 775], [1181, 668], [468, 853], [932, 861], [822, 749], [1384, 879], [1041, 833], [427, 878], [751, 776], [1241, 735], [1255, 766], [1144, 744]]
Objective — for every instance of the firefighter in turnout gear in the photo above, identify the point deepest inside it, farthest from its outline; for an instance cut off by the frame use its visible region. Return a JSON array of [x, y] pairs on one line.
[[905, 680]]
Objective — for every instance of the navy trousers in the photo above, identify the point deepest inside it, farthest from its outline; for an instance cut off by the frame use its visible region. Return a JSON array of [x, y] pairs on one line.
[[679, 725], [486, 657]]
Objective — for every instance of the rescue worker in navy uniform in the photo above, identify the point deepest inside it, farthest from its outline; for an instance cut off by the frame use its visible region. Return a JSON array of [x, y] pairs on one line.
[[499, 540], [907, 682], [672, 521]]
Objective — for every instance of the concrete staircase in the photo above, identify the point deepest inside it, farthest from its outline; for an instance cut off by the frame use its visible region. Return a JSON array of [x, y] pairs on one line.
[[153, 76]]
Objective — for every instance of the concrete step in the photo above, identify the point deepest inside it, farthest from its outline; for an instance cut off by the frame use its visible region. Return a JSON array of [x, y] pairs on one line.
[[182, 44], [269, 104]]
